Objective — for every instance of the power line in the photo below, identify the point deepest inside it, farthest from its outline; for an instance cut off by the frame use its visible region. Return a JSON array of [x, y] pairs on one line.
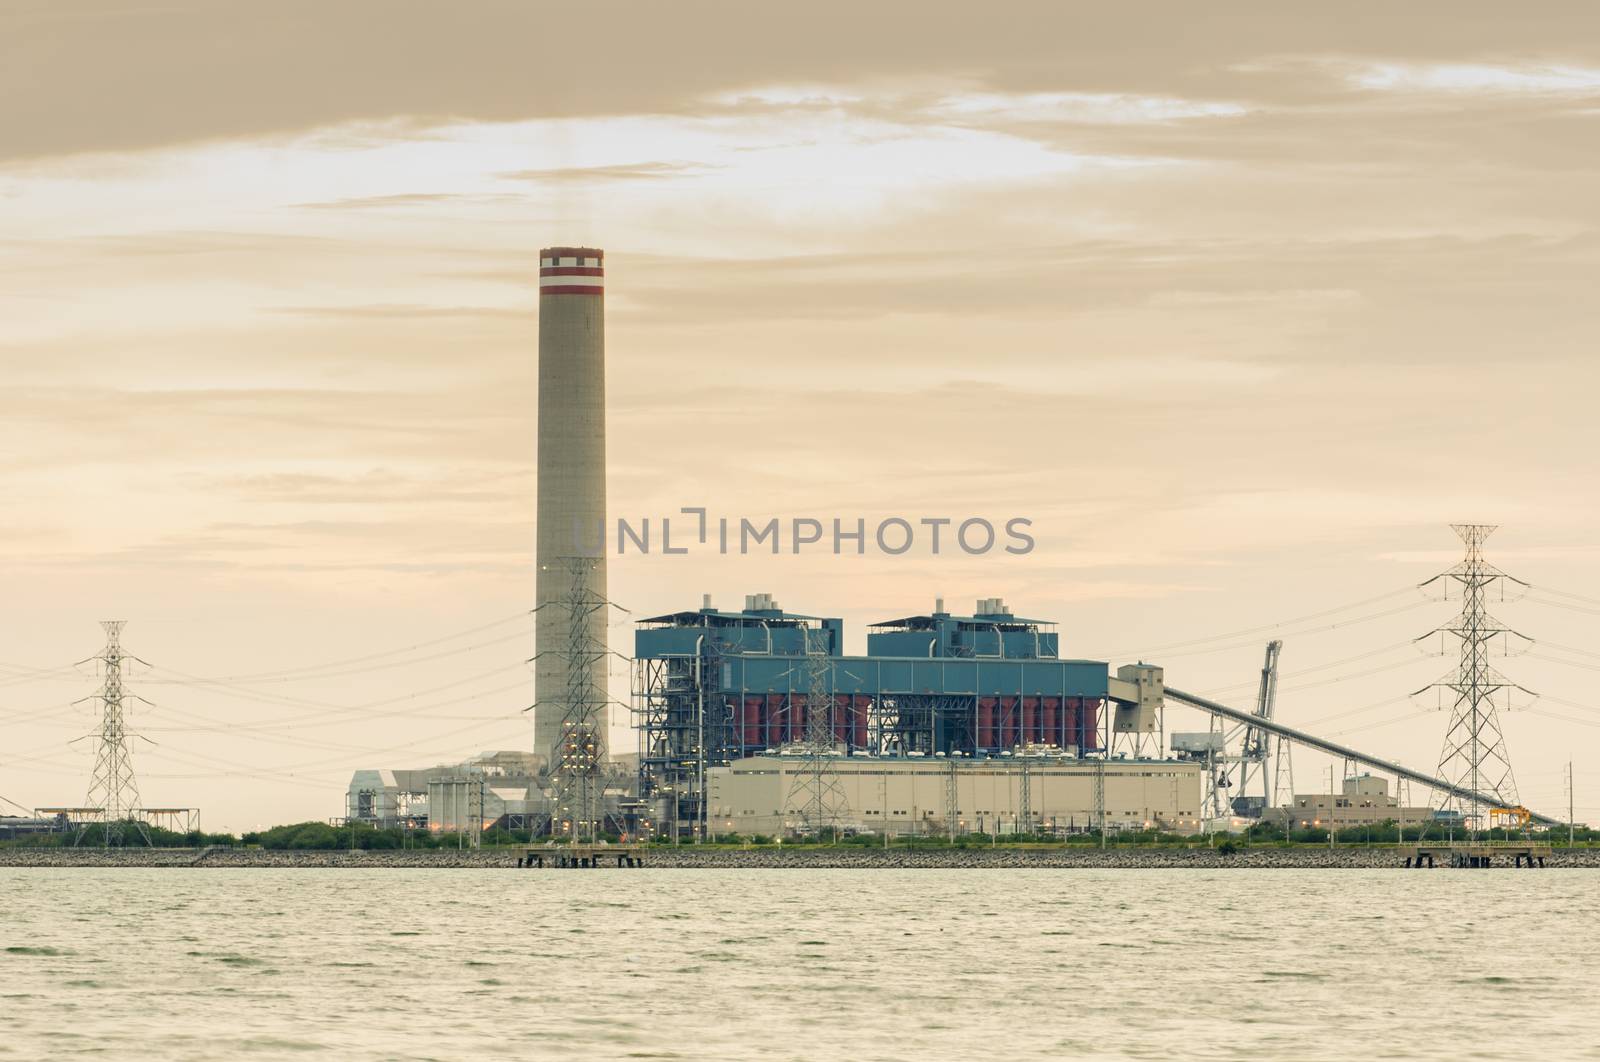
[[38, 672], [1351, 676], [268, 679], [1562, 718], [1569, 704], [263, 675], [1340, 625], [324, 706], [1566, 648], [307, 673], [1151, 650], [1354, 675], [1564, 593], [1386, 702], [34, 714], [267, 732], [1563, 604], [1568, 663], [291, 772], [294, 769], [69, 674], [1318, 667], [1380, 723]]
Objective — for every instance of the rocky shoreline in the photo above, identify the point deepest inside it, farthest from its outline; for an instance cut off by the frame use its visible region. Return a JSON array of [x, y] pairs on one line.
[[689, 857]]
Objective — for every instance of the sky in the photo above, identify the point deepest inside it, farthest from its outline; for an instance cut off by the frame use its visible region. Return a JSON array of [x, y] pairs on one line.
[[1240, 306]]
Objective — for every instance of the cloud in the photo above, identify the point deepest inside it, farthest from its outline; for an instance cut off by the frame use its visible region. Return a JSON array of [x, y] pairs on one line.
[[122, 75], [1086, 107], [401, 201], [1477, 78], [636, 171], [377, 487], [403, 311]]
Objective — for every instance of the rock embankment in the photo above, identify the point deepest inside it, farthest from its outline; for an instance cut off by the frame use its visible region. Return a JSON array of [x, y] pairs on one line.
[[1069, 858], [252, 857], [689, 856]]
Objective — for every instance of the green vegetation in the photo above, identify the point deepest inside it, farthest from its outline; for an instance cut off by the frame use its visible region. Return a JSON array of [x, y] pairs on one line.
[[366, 837], [94, 836], [320, 835]]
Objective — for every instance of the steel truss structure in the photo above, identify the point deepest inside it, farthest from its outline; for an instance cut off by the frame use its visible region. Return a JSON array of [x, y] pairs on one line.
[[1474, 756], [173, 820], [816, 794], [1248, 769], [579, 771], [113, 788]]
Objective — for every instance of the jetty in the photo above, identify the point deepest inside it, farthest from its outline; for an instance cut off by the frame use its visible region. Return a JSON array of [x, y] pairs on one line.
[[1478, 855], [581, 855]]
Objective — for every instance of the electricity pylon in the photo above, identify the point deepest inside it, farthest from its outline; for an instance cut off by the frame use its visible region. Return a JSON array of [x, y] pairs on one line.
[[579, 769], [113, 789], [816, 792], [1474, 756]]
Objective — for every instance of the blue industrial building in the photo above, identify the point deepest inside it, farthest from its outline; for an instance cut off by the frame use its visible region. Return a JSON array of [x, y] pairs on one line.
[[712, 687]]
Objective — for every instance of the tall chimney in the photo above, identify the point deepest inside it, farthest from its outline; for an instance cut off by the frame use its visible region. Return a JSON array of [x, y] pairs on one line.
[[572, 485]]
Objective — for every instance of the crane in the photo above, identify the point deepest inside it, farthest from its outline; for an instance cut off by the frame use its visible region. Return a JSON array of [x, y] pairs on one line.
[[1256, 748]]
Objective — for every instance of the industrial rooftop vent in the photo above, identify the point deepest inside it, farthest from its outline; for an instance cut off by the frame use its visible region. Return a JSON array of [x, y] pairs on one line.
[[991, 606], [760, 603]]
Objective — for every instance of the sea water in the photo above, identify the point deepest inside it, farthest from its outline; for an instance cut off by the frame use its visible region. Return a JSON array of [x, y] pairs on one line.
[[804, 964]]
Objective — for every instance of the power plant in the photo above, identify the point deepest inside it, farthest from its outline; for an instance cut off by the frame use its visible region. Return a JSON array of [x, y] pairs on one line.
[[723, 697], [757, 721]]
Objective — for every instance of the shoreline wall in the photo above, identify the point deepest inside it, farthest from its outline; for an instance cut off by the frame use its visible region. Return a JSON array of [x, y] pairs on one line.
[[687, 857]]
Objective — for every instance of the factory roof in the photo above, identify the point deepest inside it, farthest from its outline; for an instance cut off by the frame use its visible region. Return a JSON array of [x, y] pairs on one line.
[[710, 617], [930, 621]]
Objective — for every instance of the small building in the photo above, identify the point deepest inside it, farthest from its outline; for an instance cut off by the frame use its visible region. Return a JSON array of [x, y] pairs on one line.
[[506, 788], [936, 796], [1363, 800], [489, 788]]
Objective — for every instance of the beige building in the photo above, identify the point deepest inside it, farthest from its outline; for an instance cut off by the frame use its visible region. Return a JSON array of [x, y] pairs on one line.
[[1364, 800], [922, 796]]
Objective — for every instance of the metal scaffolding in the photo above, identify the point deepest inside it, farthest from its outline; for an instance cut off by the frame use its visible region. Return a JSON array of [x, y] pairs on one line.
[[682, 732]]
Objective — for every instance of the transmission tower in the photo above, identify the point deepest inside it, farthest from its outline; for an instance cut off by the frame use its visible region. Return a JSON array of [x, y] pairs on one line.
[[1474, 756], [579, 768], [816, 792], [113, 789]]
